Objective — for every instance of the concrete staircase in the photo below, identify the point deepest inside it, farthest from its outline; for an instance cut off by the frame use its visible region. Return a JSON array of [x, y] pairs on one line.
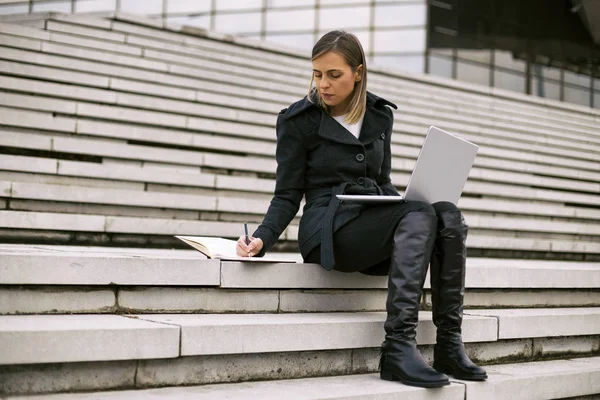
[[119, 132]]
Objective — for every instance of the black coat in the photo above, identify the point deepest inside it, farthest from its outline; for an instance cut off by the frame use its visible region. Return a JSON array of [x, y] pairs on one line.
[[317, 157]]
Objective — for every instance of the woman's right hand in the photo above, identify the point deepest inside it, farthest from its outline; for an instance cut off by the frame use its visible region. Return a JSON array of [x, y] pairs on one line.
[[248, 250]]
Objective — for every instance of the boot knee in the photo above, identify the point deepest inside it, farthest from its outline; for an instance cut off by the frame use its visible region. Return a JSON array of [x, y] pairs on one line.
[[452, 222]]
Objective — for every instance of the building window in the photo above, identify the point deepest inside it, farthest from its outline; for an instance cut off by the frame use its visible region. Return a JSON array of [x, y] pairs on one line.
[[188, 6], [290, 3], [577, 94], [55, 6], [440, 65], [147, 7], [202, 21], [406, 40], [414, 63], [293, 20], [238, 5], [473, 72], [401, 15], [344, 18], [231, 23], [14, 9], [86, 6], [505, 60], [303, 42], [509, 80], [332, 2]]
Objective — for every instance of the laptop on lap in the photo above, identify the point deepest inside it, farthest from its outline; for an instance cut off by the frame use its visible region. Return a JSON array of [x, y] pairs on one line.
[[440, 172]]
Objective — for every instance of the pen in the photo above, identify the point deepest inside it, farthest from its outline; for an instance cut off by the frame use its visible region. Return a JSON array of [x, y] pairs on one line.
[[246, 231]]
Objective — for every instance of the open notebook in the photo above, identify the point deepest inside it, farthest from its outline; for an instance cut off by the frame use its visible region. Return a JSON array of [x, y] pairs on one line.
[[223, 249]]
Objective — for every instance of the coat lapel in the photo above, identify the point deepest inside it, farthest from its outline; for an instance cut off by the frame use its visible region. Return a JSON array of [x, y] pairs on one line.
[[331, 130], [374, 124]]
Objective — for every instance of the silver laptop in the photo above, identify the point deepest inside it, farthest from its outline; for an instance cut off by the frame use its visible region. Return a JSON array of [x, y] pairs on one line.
[[440, 172]]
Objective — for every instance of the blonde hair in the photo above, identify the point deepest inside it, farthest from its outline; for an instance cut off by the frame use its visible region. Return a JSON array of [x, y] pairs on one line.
[[348, 46]]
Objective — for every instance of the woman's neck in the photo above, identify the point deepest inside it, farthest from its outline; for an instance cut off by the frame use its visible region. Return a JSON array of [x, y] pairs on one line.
[[340, 109]]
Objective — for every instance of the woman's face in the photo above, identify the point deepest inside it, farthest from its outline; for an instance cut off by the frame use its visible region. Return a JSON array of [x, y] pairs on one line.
[[335, 80]]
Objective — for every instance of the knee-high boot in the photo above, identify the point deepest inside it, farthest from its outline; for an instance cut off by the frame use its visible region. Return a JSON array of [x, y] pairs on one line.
[[448, 267], [400, 358]]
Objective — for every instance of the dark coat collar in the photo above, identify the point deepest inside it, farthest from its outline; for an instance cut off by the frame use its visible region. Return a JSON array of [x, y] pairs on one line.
[[305, 104], [376, 121]]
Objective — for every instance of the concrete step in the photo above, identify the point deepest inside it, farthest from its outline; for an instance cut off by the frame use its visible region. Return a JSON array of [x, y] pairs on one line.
[[79, 338], [74, 173], [70, 223], [62, 279], [32, 264], [536, 380], [264, 165], [103, 338], [230, 203], [203, 157], [65, 27], [472, 94], [509, 125], [52, 26], [84, 338]]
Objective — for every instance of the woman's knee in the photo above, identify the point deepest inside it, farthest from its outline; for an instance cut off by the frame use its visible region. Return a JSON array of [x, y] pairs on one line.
[[444, 207], [421, 206], [450, 216]]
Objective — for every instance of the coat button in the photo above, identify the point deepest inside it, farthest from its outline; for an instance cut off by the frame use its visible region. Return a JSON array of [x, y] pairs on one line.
[[360, 180], [360, 157], [383, 135]]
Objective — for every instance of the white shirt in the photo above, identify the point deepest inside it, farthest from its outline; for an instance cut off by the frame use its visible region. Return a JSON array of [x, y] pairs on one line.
[[354, 128]]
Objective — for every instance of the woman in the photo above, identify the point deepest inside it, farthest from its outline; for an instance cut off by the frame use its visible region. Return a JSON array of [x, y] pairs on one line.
[[337, 140]]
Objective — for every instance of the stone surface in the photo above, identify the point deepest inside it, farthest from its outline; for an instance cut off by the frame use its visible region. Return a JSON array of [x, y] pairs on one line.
[[55, 300], [83, 42], [562, 346], [35, 120], [176, 227], [531, 323], [504, 298], [197, 300], [367, 387], [17, 30], [70, 338], [130, 115], [20, 42], [57, 89], [56, 265], [49, 221], [198, 370], [513, 273], [66, 377], [247, 333], [38, 103], [501, 351], [327, 301], [76, 194], [58, 26], [313, 276], [12, 138], [97, 209], [539, 380]]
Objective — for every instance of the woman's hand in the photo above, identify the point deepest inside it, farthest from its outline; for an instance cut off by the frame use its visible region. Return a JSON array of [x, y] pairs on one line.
[[248, 250]]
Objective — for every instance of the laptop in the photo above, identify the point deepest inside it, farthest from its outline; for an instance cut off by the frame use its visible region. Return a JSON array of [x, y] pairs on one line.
[[440, 172]]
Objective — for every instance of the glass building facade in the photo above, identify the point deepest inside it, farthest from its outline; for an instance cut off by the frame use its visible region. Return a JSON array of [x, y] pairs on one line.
[[457, 39]]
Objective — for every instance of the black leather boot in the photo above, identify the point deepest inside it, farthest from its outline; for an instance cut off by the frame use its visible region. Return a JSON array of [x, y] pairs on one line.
[[400, 358], [448, 267]]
